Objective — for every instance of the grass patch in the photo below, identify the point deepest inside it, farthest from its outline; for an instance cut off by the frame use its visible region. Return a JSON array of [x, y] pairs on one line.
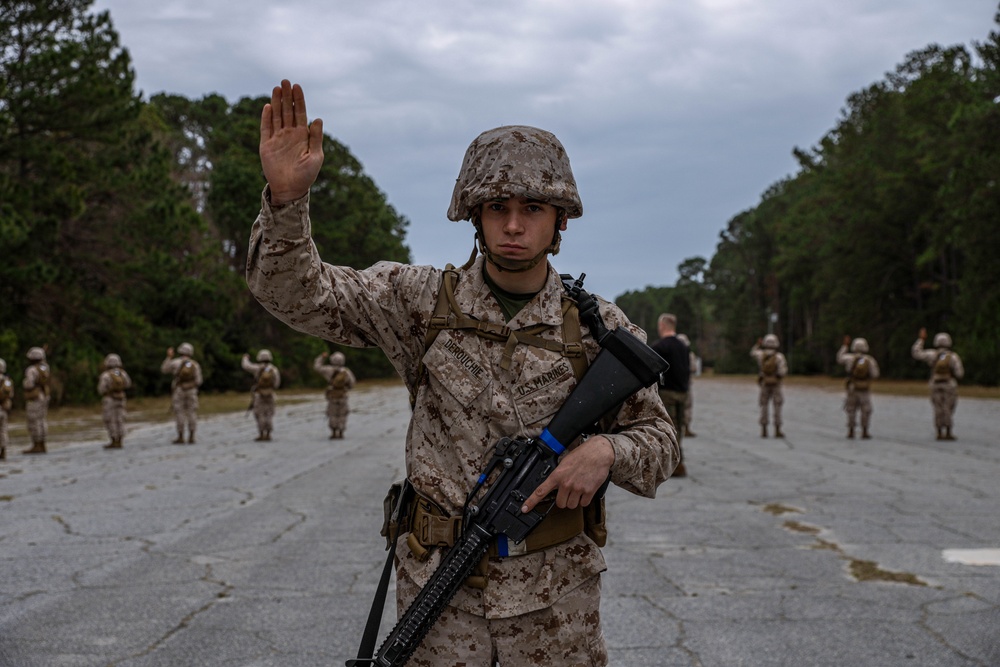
[[777, 509], [866, 570]]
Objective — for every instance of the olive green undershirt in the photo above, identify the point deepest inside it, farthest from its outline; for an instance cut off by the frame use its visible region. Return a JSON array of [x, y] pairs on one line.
[[510, 303]]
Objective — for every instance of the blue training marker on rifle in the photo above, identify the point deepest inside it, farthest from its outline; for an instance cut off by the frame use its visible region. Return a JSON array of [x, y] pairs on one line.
[[551, 441]]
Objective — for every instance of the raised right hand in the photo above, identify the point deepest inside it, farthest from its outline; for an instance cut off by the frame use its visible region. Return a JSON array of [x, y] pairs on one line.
[[291, 148]]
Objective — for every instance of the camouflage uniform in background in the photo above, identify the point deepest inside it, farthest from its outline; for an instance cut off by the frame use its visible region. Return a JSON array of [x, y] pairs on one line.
[[36, 399], [772, 369], [111, 385], [6, 402], [535, 608], [187, 378], [339, 382], [946, 371], [689, 401], [861, 369], [266, 380]]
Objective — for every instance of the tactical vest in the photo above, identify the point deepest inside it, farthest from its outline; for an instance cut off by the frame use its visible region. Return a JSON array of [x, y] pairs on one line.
[[337, 388], [941, 371], [266, 380], [769, 369], [6, 390], [860, 374], [558, 526], [116, 387], [187, 376], [448, 315], [41, 387]]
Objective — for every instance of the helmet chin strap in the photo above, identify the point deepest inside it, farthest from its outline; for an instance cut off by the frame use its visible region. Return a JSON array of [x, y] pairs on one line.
[[512, 265]]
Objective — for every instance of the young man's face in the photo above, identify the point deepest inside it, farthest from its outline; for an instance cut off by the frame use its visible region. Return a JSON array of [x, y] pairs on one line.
[[519, 228]]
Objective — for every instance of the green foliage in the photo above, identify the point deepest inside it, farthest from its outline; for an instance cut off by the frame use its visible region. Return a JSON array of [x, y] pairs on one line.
[[889, 226], [124, 225]]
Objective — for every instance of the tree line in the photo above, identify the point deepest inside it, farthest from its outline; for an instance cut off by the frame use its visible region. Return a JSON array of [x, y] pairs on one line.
[[124, 223], [889, 225]]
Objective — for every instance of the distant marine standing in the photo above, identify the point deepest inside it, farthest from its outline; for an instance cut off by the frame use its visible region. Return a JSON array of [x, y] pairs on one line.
[[6, 402], [693, 362], [266, 380], [339, 381], [772, 369], [862, 370], [946, 371], [184, 389], [111, 385], [37, 377]]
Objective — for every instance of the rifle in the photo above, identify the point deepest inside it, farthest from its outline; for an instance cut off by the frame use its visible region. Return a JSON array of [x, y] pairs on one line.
[[623, 366]]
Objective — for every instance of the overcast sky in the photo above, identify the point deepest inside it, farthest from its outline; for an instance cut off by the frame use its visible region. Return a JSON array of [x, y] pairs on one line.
[[676, 115]]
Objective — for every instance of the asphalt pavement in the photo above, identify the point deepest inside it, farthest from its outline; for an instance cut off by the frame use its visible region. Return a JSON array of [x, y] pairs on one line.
[[812, 550]]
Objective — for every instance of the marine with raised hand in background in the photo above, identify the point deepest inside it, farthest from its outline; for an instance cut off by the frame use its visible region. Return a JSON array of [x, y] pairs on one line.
[[862, 370], [946, 371], [112, 385], [184, 386], [772, 369], [266, 381]]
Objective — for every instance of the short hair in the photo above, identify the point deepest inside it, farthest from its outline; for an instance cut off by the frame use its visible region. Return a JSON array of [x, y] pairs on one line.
[[667, 319]]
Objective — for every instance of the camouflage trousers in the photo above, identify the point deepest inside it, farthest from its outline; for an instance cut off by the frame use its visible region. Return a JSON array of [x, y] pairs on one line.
[[4, 434], [263, 411], [37, 411], [944, 398], [689, 408], [185, 405], [858, 401], [113, 412], [676, 404], [567, 634], [771, 393], [336, 413]]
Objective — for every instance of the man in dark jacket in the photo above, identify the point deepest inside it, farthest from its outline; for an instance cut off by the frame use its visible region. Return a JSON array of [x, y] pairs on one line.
[[674, 382]]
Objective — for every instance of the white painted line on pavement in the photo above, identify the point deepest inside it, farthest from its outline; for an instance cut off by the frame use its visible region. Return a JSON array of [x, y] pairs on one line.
[[972, 556]]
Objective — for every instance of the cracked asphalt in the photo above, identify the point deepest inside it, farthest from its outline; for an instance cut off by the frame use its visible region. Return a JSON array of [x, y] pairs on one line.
[[812, 550]]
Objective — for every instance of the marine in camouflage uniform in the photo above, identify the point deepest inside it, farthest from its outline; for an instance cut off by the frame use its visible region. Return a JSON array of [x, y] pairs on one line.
[[266, 380], [689, 401], [538, 608], [861, 369], [946, 371], [339, 382], [36, 399], [187, 378], [772, 369], [111, 385], [6, 402]]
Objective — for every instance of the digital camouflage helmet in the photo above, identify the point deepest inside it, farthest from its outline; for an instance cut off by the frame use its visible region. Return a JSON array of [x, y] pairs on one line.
[[515, 161], [112, 361]]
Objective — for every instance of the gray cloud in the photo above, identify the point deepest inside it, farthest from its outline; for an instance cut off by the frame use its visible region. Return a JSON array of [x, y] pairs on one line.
[[676, 116]]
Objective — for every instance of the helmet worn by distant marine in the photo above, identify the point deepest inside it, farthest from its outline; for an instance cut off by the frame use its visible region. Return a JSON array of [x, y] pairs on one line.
[[36, 354], [186, 349], [112, 361], [859, 345], [942, 340], [264, 356], [770, 342]]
